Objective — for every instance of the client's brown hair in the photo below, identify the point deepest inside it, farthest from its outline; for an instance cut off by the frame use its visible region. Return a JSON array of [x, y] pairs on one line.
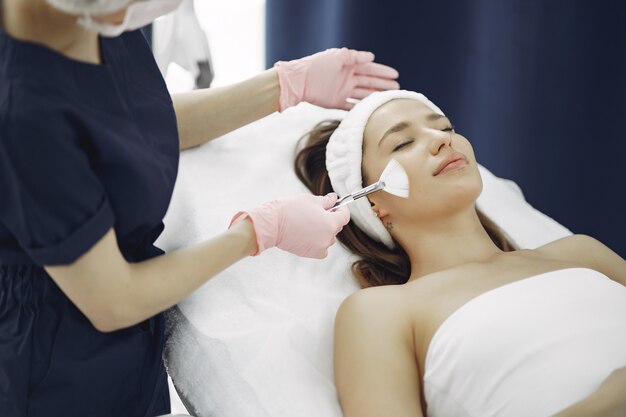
[[378, 265]]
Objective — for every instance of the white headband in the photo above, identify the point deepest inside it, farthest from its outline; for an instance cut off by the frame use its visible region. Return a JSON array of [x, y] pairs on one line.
[[344, 154]]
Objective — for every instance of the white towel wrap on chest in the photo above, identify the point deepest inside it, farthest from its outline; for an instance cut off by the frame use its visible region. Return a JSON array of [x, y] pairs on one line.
[[529, 348]]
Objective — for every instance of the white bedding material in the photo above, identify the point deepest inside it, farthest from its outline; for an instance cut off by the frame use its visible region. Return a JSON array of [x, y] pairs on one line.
[[257, 340]]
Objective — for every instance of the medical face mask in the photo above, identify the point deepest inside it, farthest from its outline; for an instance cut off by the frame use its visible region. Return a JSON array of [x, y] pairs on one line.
[[137, 15]]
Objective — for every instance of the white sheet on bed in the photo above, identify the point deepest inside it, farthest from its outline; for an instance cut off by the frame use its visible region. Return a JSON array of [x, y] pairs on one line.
[[256, 340]]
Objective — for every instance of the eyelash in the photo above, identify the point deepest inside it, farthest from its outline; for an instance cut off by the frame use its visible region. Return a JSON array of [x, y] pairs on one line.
[[408, 142], [402, 145]]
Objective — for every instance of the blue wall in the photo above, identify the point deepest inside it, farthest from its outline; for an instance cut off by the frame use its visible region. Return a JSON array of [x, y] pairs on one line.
[[538, 86]]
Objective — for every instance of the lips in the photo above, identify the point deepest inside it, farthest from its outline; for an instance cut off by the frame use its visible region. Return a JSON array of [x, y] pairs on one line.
[[451, 162]]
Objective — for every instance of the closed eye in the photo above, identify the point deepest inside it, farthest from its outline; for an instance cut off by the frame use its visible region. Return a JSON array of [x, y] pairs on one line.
[[449, 129], [402, 145]]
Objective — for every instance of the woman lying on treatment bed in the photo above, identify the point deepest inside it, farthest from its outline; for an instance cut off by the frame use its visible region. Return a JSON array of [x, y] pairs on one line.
[[455, 322]]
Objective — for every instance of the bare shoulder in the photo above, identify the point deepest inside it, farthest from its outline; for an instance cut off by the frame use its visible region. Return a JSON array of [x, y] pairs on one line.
[[377, 306], [373, 295], [587, 252], [374, 355]]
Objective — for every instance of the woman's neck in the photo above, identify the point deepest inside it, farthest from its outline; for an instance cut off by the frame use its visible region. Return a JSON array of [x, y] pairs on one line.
[[38, 22], [447, 242]]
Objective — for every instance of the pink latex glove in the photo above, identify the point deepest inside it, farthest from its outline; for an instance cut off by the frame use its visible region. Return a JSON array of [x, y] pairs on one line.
[[328, 78], [300, 225]]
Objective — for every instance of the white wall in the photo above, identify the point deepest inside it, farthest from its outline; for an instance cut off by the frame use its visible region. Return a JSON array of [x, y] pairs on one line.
[[236, 33]]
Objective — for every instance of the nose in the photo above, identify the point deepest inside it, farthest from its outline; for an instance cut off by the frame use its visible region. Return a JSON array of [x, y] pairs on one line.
[[440, 141]]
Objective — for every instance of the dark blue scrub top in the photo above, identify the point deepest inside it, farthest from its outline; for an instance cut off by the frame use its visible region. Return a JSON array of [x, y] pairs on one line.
[[83, 148]]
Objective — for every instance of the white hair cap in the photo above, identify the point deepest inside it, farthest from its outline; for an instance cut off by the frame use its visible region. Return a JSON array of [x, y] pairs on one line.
[[89, 7], [344, 154]]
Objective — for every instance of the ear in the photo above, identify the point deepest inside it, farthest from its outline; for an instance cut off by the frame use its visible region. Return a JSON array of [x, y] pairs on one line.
[[381, 213]]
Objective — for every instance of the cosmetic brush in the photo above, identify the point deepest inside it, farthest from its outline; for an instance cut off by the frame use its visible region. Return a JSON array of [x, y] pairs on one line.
[[393, 180]]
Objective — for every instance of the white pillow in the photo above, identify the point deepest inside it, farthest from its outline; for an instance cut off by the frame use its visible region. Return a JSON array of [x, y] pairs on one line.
[[256, 340]]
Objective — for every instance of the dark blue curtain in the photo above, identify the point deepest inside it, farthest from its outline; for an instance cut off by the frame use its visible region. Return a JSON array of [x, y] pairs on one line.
[[538, 86]]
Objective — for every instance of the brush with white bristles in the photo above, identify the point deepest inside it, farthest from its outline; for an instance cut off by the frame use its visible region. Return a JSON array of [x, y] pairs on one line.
[[393, 180]]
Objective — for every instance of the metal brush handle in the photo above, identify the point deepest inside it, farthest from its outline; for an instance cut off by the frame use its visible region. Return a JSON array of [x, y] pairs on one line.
[[347, 199]]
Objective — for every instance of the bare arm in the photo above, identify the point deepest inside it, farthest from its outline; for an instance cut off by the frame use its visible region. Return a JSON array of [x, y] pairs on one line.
[[115, 294], [206, 114], [375, 364], [585, 250]]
